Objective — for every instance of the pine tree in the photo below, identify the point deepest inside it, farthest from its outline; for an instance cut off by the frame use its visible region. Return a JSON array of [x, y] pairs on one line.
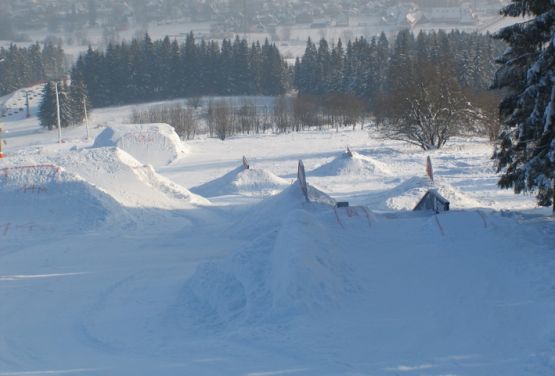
[[401, 68], [47, 109], [336, 68], [307, 81], [78, 99], [526, 147], [48, 116], [66, 112]]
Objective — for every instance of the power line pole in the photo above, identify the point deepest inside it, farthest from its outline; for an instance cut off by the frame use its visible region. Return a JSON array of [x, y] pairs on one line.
[[27, 103], [86, 116], [58, 113], [1, 153]]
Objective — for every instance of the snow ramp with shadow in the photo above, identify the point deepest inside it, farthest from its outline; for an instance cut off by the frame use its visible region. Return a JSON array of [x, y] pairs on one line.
[[46, 198], [241, 181], [406, 195], [290, 265], [352, 163], [155, 144], [130, 182]]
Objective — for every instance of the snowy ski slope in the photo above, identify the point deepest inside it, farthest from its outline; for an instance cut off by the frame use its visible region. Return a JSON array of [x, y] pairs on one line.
[[110, 265]]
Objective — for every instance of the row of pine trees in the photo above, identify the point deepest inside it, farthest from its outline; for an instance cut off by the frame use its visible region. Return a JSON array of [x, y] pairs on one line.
[[146, 70], [25, 66], [368, 69]]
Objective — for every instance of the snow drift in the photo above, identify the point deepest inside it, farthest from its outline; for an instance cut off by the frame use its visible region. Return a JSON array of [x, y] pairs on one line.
[[49, 198], [248, 182], [353, 164], [155, 144]]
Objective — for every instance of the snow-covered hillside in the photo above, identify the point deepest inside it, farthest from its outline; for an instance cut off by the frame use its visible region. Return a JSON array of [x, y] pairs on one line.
[[111, 265]]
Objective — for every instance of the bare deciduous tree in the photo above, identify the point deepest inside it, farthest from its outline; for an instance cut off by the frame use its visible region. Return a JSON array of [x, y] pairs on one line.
[[181, 118], [194, 102], [488, 121], [223, 119], [281, 114], [426, 111]]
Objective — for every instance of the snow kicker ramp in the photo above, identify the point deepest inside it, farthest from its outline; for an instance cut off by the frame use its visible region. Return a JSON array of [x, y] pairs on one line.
[[155, 144], [292, 266], [352, 164], [406, 195], [242, 181], [47, 198], [128, 181]]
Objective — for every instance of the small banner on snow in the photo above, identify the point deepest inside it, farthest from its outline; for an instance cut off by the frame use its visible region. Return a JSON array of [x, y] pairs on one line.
[[245, 163], [301, 177]]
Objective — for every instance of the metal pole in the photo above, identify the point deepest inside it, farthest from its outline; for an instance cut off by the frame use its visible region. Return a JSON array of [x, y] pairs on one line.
[[27, 103], [86, 117], [1, 153], [58, 115]]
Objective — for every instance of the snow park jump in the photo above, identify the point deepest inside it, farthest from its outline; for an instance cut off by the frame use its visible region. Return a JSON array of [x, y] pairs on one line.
[[244, 180], [339, 208], [155, 144], [32, 192]]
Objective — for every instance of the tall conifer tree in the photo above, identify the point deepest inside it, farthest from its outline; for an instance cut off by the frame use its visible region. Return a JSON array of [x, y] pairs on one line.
[[526, 154]]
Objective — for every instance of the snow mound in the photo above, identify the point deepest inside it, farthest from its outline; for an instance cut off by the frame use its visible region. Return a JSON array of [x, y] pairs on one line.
[[355, 165], [248, 182], [295, 269], [292, 266], [49, 198], [274, 210], [127, 180], [406, 195], [154, 144]]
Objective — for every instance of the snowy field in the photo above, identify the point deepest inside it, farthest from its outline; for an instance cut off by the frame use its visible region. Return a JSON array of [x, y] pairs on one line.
[[131, 253]]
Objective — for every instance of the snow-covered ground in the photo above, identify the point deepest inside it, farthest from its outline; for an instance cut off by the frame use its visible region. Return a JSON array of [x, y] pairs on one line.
[[110, 265]]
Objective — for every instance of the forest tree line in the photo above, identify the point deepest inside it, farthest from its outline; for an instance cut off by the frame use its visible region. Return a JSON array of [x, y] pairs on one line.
[[421, 89], [369, 68], [146, 70], [24, 66]]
